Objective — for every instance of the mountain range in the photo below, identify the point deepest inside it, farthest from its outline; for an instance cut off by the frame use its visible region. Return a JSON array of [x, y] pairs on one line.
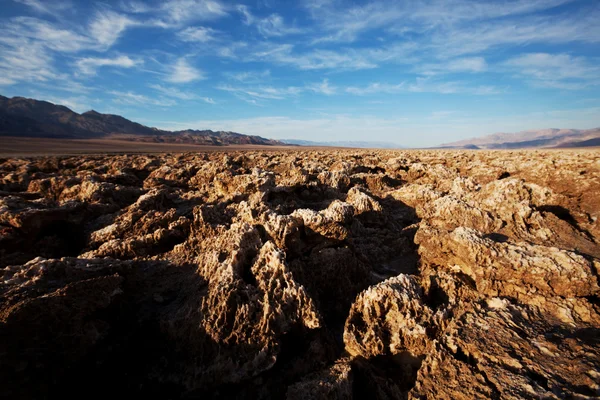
[[344, 143], [22, 117], [543, 138]]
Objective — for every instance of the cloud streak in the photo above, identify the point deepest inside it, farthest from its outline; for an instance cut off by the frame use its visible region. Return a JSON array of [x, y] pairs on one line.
[[423, 85], [136, 99], [560, 71], [179, 94], [183, 72], [198, 34], [54, 8], [89, 65]]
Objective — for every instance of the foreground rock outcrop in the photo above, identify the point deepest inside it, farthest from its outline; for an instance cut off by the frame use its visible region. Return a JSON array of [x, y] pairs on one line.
[[301, 275]]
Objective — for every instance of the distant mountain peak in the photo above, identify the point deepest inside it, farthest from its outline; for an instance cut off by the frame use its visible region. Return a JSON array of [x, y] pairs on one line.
[[541, 138], [91, 112]]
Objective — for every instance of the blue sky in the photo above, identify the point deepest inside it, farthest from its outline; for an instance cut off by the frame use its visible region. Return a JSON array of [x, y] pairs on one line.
[[417, 73]]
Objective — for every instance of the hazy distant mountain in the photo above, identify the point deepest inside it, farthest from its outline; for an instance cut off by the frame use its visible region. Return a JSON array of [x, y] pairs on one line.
[[358, 144], [543, 138], [23, 117]]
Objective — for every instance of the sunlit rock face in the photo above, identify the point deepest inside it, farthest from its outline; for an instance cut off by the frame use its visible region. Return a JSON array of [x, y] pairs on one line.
[[302, 275]]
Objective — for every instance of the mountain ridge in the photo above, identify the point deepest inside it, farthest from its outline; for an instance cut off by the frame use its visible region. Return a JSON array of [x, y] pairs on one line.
[[24, 117], [540, 138]]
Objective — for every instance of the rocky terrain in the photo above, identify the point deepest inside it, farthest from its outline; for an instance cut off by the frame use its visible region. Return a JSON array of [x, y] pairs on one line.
[[301, 275]]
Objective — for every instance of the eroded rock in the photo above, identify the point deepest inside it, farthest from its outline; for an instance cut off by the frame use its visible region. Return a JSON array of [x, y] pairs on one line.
[[301, 275]]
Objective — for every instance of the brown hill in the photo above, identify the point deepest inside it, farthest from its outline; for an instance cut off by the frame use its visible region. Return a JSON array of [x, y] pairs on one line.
[[542, 138], [22, 117]]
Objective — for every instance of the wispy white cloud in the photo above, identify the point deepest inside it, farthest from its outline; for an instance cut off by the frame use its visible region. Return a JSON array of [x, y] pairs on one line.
[[466, 64], [29, 47], [53, 8], [272, 25], [190, 10], [132, 98], [314, 59], [27, 63], [198, 34], [377, 87], [107, 26], [262, 92], [453, 11], [137, 7], [424, 85], [249, 76], [6, 80], [179, 94], [174, 92], [435, 36], [323, 87], [89, 65], [345, 22], [183, 72], [482, 36], [247, 16], [25, 60], [560, 71], [340, 59], [21, 31], [256, 94], [231, 50], [179, 13], [104, 29], [437, 39]]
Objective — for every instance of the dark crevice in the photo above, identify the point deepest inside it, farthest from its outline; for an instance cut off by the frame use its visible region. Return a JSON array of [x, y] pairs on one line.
[[262, 232], [314, 197], [562, 213], [460, 355], [469, 359], [362, 169], [249, 258], [497, 237], [436, 298], [537, 378], [59, 239], [248, 275], [386, 376]]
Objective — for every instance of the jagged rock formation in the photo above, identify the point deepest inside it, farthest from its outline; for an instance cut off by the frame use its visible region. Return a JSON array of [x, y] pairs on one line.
[[301, 275]]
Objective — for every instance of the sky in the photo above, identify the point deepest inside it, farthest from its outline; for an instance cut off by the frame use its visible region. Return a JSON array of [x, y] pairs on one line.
[[414, 73]]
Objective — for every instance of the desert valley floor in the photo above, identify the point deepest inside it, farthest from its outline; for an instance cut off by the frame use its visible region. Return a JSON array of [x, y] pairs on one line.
[[301, 275]]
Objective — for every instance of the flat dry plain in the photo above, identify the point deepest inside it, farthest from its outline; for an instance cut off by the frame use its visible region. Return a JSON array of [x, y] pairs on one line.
[[301, 275], [15, 147]]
